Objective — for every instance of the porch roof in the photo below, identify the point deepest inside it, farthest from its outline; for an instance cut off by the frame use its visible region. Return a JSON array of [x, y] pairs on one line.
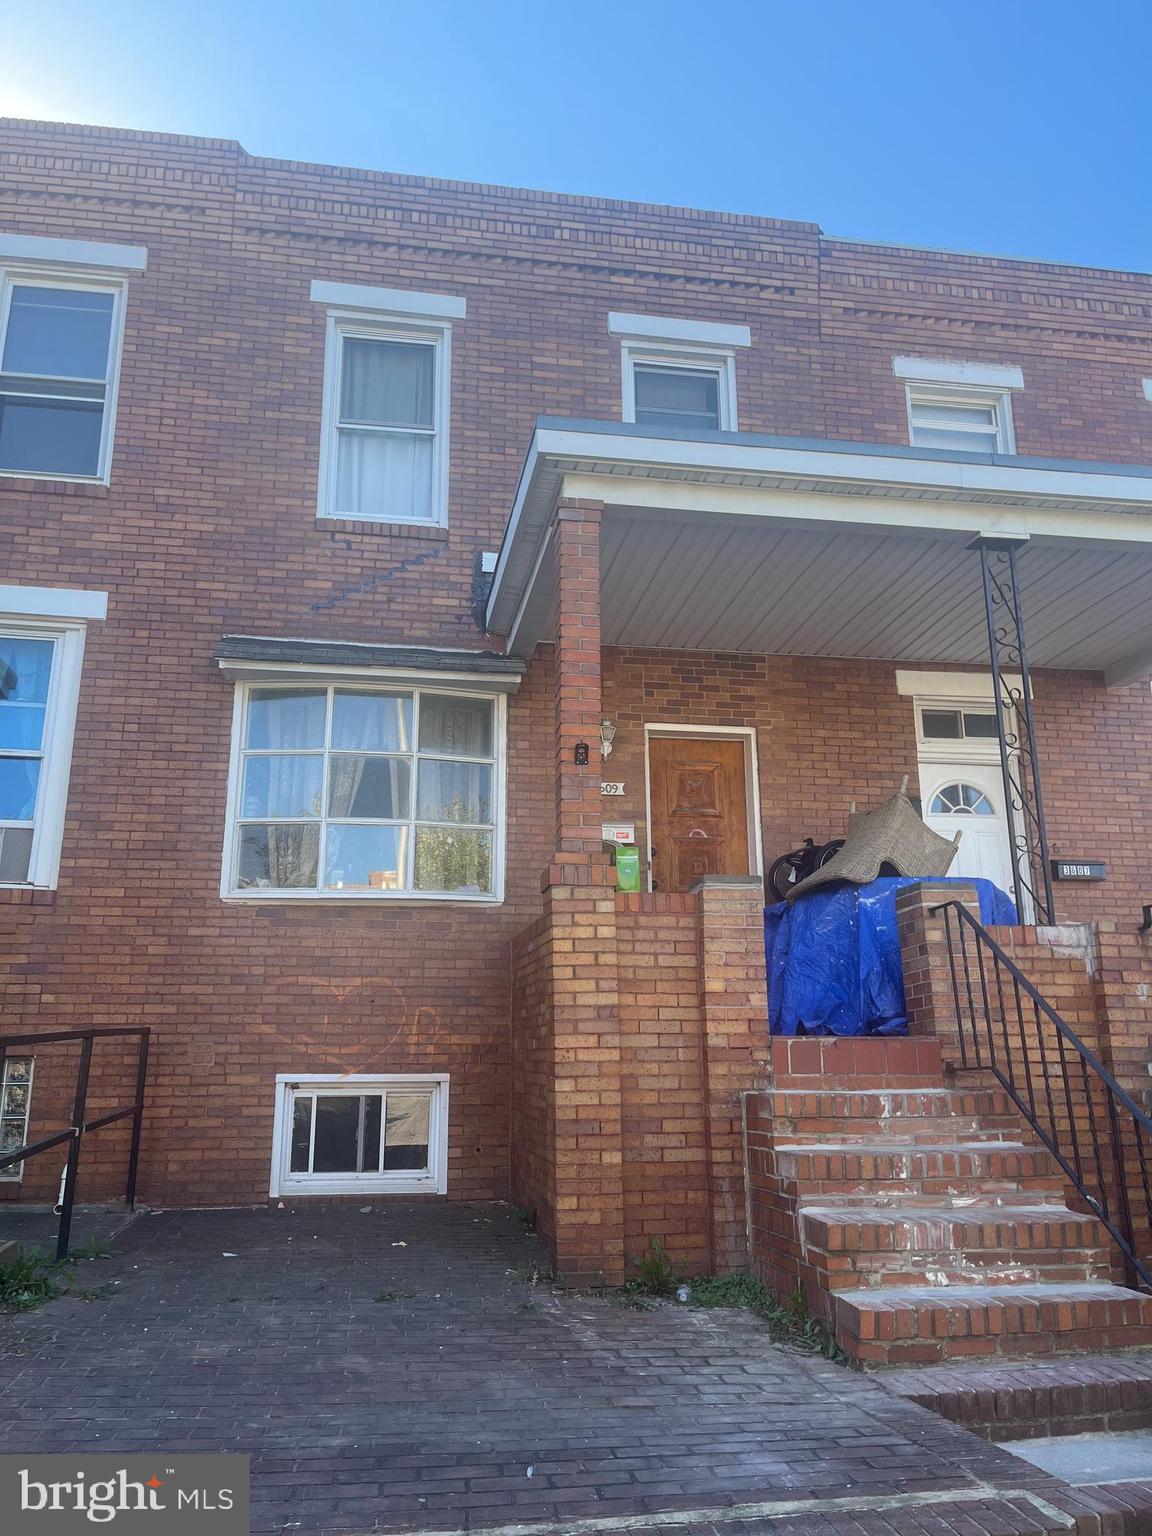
[[741, 542]]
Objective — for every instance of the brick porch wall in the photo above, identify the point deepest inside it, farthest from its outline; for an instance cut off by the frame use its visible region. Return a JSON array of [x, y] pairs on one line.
[[692, 1037]]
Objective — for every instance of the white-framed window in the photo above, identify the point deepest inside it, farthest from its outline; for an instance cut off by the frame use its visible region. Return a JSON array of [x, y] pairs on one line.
[[60, 343], [40, 667], [365, 791], [387, 393], [969, 723], [959, 419], [15, 1108], [668, 386], [360, 1134]]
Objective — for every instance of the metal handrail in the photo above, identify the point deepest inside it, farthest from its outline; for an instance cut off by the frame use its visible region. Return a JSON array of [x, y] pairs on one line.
[[80, 1126], [1064, 1098]]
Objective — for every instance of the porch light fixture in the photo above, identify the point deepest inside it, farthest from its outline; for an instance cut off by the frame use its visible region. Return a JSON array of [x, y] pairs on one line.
[[607, 737]]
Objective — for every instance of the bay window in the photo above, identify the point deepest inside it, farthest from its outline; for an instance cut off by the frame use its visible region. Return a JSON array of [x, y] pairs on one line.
[[345, 790]]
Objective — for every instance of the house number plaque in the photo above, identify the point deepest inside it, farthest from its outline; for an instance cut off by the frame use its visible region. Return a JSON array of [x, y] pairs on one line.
[[612, 787], [1078, 869]]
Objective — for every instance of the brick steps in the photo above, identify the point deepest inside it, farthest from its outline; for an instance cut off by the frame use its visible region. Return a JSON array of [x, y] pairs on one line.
[[977, 1244], [918, 1324], [1005, 1400], [922, 1221], [917, 1168]]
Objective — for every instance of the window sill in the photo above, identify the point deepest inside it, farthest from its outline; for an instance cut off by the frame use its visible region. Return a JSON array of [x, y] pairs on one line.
[[353, 1186], [399, 530], [27, 895], [57, 484]]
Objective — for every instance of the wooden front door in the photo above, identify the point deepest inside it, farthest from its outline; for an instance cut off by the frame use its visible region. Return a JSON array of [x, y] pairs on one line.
[[699, 810]]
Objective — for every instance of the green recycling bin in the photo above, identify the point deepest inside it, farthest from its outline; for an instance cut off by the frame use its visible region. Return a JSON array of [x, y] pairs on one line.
[[627, 867]]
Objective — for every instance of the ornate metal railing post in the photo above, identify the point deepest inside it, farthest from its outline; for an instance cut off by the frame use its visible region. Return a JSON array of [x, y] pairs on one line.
[[1019, 763]]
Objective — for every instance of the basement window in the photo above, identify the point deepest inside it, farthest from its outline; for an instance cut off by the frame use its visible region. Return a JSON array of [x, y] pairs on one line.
[[360, 1134], [15, 1107]]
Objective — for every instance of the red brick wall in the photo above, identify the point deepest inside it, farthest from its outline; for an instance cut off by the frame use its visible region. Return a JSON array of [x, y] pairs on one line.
[[209, 526], [532, 1076], [665, 1140]]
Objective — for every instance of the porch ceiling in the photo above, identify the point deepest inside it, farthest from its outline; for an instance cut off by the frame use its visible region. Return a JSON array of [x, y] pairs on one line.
[[840, 561]]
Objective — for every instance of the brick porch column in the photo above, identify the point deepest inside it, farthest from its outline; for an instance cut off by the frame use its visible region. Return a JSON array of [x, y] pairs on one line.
[[928, 999], [580, 906], [736, 1052]]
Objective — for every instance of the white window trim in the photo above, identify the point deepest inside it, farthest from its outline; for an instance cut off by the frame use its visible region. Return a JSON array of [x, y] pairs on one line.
[[343, 323], [363, 679], [15, 1172], [59, 736], [935, 370], [402, 1182], [925, 393], [13, 274], [391, 301], [101, 254], [674, 329], [661, 354]]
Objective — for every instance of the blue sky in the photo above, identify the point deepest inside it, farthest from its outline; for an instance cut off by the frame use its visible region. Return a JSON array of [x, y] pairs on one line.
[[1020, 128]]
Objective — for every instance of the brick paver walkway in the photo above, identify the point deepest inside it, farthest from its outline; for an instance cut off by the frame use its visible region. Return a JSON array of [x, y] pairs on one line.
[[467, 1398]]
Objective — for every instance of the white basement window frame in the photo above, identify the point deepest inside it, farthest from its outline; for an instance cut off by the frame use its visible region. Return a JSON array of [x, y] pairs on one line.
[[404, 766], [310, 1136], [40, 667], [80, 389], [385, 494]]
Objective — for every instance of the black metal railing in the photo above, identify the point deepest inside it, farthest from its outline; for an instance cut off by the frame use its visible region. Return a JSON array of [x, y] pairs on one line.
[[1098, 1134], [80, 1127]]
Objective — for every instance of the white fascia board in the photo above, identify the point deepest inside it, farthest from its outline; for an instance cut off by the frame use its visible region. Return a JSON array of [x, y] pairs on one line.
[[929, 370], [670, 328], [389, 301], [53, 603], [73, 253], [877, 469]]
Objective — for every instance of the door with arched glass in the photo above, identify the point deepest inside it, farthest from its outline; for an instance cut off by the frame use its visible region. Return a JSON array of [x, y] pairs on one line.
[[968, 798]]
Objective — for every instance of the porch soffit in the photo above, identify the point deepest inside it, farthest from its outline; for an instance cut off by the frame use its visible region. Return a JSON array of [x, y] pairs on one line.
[[868, 562]]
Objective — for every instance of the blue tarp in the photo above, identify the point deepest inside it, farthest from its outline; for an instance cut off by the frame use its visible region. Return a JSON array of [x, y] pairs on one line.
[[834, 959]]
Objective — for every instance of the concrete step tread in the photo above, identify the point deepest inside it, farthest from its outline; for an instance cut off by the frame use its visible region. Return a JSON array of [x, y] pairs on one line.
[[894, 1148], [967, 1215], [917, 1297]]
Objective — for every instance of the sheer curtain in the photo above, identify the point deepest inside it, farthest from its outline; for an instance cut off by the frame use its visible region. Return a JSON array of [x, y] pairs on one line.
[[386, 384]]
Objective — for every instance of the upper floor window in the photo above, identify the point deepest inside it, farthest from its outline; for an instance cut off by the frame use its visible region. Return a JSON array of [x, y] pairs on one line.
[[386, 403], [678, 374], [368, 792], [959, 405], [962, 421], [59, 353]]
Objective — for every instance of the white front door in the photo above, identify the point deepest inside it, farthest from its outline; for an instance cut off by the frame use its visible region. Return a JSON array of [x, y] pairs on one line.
[[968, 797]]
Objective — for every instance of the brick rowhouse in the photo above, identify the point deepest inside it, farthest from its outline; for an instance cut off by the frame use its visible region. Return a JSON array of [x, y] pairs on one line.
[[597, 1043]]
